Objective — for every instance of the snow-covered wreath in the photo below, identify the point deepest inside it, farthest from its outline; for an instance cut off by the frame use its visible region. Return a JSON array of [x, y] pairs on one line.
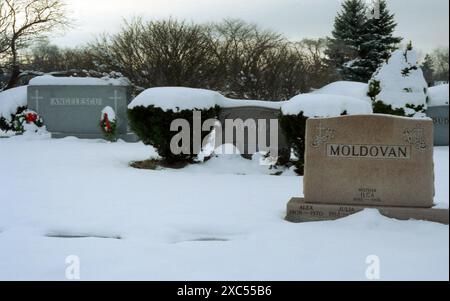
[[108, 123], [27, 120]]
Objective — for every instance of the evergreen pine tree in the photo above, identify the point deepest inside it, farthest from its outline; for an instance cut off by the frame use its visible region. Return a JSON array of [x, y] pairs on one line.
[[379, 40], [347, 38], [361, 43]]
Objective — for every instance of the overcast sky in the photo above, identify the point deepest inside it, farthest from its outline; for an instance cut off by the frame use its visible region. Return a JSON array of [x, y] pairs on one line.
[[425, 22]]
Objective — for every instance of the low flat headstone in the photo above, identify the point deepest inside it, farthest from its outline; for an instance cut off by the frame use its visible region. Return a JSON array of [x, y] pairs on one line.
[[75, 110], [368, 161], [439, 114]]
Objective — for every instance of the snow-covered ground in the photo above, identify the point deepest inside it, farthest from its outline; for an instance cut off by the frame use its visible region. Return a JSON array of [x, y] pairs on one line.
[[223, 220]]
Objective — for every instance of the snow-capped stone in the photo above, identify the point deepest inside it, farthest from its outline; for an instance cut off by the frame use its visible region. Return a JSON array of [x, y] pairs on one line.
[[323, 105], [49, 80]]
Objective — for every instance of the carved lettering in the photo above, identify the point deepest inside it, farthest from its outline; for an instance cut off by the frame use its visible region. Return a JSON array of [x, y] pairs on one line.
[[369, 151]]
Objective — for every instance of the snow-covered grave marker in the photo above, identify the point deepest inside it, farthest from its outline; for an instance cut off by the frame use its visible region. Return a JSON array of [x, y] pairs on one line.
[[368, 161], [438, 110], [72, 106], [439, 114]]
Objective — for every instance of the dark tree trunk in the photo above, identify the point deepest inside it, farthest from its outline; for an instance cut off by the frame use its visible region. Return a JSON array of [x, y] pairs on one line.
[[15, 67], [14, 78]]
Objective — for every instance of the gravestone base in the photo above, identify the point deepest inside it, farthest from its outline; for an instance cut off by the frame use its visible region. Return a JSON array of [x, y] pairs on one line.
[[299, 211], [130, 137]]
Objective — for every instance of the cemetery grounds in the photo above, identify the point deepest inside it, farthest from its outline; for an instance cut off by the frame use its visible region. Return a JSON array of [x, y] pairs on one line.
[[221, 220]]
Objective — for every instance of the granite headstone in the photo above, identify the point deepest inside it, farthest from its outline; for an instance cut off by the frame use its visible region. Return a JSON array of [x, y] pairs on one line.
[[75, 109], [368, 161]]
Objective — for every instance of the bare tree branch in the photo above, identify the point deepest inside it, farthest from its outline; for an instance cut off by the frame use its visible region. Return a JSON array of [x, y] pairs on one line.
[[23, 22]]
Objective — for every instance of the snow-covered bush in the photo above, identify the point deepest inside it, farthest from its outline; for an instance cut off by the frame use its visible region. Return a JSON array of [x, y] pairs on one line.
[[399, 87], [12, 102], [108, 123], [295, 112], [152, 112], [26, 121]]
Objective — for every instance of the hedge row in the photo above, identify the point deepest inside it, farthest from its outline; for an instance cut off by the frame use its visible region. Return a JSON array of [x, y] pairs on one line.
[[152, 125]]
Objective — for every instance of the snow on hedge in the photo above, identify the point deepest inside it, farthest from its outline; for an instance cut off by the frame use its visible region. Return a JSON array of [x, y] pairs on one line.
[[401, 81], [346, 88], [11, 100], [177, 99], [236, 103], [323, 105], [438, 96], [314, 104], [182, 98], [49, 80]]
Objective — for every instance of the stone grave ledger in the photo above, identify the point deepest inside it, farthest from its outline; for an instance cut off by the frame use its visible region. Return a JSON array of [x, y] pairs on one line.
[[300, 211], [76, 110], [372, 160]]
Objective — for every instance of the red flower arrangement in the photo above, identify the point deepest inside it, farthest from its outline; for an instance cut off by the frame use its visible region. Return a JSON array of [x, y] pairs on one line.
[[31, 117], [26, 117]]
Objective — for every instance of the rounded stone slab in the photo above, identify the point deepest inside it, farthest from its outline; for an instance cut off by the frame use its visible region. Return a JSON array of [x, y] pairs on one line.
[[369, 160]]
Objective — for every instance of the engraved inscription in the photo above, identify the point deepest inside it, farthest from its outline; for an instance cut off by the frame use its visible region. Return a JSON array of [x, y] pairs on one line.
[[367, 195], [323, 136], [369, 151], [440, 120], [313, 213], [416, 138], [76, 101]]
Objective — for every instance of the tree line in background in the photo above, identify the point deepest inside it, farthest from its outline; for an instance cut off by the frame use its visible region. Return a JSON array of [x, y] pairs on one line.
[[238, 59]]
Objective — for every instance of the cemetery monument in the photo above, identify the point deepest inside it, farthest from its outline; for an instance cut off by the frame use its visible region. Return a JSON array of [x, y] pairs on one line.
[[368, 161]]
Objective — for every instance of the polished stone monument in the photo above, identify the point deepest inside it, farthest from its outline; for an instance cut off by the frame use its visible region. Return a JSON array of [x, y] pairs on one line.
[[73, 106]]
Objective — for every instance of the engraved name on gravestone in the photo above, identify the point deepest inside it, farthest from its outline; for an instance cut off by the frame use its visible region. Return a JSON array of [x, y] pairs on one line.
[[75, 110], [371, 160]]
